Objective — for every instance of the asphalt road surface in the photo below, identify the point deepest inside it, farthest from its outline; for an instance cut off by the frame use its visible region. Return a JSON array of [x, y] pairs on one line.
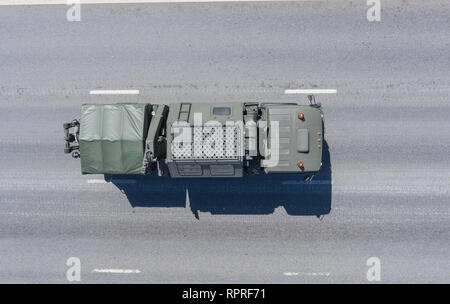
[[388, 132]]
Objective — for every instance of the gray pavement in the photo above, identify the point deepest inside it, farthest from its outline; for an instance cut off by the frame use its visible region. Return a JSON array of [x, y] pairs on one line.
[[388, 131]]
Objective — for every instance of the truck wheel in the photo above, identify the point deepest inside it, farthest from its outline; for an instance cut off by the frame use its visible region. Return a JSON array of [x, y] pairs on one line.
[[70, 138]]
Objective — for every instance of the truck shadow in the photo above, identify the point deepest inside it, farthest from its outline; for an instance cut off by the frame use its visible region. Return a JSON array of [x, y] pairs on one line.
[[253, 194]]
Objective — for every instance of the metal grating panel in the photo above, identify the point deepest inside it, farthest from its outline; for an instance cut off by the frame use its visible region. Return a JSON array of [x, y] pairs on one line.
[[209, 143]]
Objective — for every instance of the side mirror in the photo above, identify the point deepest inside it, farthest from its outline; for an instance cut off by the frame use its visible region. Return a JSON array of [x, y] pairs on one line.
[[312, 101]]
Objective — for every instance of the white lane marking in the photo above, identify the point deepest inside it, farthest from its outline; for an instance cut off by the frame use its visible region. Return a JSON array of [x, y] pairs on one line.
[[96, 181], [114, 92], [47, 2], [124, 181], [125, 271], [313, 274], [313, 91], [431, 187]]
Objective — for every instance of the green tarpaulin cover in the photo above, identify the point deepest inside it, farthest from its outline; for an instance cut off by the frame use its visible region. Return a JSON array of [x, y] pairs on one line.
[[112, 138]]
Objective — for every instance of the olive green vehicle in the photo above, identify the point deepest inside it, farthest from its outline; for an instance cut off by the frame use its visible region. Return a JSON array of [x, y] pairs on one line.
[[187, 140]]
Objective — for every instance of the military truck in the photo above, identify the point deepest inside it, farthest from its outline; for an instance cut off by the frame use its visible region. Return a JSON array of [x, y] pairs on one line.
[[198, 140]]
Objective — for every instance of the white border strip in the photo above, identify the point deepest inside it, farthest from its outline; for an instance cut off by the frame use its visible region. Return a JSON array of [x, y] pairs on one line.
[[114, 92], [314, 91], [125, 271], [65, 2], [313, 274]]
